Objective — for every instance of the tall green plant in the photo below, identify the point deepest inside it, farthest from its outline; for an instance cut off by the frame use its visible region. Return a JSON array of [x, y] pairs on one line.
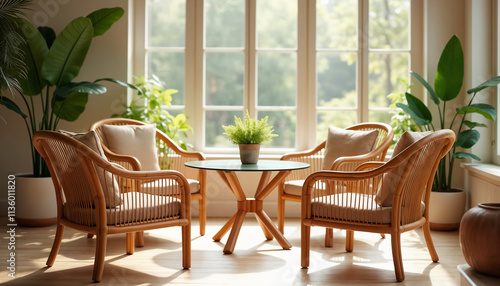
[[447, 85], [147, 106], [52, 64]]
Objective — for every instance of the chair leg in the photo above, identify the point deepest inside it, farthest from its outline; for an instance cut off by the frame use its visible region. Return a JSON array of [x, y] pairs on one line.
[[397, 257], [281, 211], [56, 244], [100, 254], [329, 237], [90, 235], [349, 240], [186, 246], [139, 239], [428, 241], [305, 244], [130, 243], [203, 215], [382, 235]]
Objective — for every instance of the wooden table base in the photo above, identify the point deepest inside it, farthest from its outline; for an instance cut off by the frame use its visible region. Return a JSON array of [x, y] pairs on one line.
[[250, 205]]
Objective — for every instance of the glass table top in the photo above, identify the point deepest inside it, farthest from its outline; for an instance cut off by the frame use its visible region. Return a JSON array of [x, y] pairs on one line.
[[236, 165]]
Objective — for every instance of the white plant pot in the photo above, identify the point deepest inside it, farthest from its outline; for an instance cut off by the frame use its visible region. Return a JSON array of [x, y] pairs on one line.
[[35, 201], [446, 210]]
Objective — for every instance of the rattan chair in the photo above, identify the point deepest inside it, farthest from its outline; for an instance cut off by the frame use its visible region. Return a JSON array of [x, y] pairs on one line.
[[380, 197], [170, 156], [101, 198], [315, 158]]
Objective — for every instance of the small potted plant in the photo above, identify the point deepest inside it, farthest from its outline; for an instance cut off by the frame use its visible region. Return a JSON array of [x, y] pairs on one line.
[[249, 135]]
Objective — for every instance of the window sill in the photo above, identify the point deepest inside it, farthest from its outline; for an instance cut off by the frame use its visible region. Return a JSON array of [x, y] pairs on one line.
[[487, 172]]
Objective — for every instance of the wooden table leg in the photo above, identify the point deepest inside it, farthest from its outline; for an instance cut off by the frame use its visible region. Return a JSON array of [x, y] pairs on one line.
[[267, 234], [218, 236], [233, 236], [274, 231]]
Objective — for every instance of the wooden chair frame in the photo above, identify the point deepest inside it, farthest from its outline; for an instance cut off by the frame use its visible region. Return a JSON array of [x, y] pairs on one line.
[[416, 167], [89, 214], [179, 155], [315, 158]]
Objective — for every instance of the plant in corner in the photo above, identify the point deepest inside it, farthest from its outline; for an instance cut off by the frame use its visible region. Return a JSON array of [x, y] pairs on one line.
[[249, 135], [447, 204], [447, 85], [48, 91]]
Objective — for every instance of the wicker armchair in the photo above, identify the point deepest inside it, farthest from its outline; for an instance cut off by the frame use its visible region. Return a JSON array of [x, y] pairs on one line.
[[101, 198], [170, 157], [315, 158], [380, 197]]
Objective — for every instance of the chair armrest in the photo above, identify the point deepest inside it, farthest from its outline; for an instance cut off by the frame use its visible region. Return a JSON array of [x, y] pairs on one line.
[[350, 163], [127, 159], [369, 166]]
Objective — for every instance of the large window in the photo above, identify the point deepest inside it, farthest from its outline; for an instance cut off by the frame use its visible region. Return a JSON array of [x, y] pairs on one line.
[[306, 64]]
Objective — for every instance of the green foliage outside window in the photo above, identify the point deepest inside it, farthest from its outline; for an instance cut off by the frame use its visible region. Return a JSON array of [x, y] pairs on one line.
[[148, 106], [400, 120]]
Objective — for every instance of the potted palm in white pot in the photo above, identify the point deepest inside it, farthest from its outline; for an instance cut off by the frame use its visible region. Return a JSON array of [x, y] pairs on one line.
[[447, 86]]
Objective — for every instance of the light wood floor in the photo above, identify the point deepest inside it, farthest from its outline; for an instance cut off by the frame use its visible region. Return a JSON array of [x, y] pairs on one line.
[[254, 262]]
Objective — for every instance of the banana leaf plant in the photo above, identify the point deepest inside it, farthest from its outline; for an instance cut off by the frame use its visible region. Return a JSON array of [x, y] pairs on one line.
[[447, 86], [49, 93]]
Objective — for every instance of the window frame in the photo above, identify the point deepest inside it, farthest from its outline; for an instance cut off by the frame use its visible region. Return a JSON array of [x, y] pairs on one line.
[[306, 110]]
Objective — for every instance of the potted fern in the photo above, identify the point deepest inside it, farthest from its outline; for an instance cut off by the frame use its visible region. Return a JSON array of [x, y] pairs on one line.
[[249, 135]]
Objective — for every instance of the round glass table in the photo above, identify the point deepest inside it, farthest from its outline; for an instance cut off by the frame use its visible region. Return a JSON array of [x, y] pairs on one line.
[[226, 170]]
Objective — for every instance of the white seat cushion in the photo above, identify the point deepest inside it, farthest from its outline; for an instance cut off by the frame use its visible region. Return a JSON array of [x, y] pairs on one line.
[[134, 140], [293, 187], [341, 142], [352, 207], [136, 207]]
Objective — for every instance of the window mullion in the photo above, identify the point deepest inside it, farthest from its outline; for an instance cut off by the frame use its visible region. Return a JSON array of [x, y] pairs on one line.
[[363, 60], [306, 75], [194, 69], [250, 100]]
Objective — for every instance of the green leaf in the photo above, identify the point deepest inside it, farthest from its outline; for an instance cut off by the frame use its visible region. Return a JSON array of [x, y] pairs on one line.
[[491, 82], [83, 87], [35, 52], [122, 83], [463, 155], [11, 105], [471, 124], [67, 54], [467, 138], [104, 18], [417, 110], [427, 86], [450, 71], [484, 109], [48, 34], [71, 107]]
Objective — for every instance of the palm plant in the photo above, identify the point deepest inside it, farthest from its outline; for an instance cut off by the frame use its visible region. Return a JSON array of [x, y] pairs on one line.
[[51, 65], [11, 40]]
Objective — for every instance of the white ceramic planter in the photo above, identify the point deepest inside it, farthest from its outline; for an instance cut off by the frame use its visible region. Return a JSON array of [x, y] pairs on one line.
[[35, 201], [446, 210]]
